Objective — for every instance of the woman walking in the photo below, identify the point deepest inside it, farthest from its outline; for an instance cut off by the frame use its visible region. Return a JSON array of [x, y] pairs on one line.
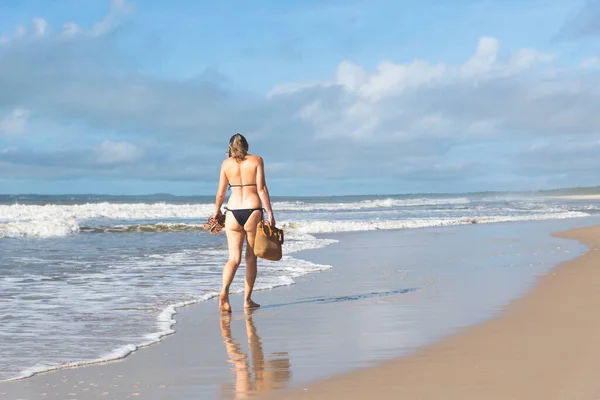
[[249, 197]]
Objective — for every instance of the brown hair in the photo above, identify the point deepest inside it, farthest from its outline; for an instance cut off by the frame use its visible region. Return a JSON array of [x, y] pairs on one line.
[[238, 147]]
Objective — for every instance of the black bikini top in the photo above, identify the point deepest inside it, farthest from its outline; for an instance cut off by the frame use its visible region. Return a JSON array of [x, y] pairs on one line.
[[248, 184]]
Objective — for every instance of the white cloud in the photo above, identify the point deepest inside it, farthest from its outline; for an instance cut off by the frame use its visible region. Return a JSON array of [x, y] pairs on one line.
[[118, 9], [20, 31], [591, 62], [402, 100], [15, 122], [109, 152], [71, 29], [350, 76], [485, 63], [289, 88], [484, 58], [392, 78], [40, 26], [526, 58]]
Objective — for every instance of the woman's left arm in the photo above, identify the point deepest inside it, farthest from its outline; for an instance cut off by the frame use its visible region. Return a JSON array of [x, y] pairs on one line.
[[221, 191]]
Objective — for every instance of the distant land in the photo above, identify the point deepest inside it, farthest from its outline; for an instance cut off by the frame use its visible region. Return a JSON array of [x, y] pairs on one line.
[[571, 191]]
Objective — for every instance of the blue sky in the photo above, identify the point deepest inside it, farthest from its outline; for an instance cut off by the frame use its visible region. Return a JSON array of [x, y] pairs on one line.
[[339, 97]]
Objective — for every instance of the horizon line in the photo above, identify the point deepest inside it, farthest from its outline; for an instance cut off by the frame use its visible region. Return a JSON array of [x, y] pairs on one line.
[[559, 189]]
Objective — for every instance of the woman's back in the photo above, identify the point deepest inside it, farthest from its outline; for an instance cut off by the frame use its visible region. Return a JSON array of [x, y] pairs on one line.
[[243, 177]]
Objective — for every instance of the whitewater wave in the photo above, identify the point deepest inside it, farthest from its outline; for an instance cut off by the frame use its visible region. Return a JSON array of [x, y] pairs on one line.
[[42, 229], [316, 227], [55, 220], [366, 204], [18, 212], [143, 211], [63, 227]]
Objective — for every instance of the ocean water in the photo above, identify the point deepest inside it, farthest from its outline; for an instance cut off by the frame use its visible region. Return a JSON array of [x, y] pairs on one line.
[[85, 279]]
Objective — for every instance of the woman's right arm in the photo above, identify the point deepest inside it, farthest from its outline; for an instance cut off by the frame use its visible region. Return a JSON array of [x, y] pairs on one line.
[[221, 191], [263, 191]]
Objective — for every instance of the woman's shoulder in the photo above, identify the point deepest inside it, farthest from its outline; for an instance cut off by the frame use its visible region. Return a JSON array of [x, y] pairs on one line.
[[254, 158]]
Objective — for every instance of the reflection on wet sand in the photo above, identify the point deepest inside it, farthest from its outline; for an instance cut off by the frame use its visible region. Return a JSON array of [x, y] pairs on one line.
[[257, 375]]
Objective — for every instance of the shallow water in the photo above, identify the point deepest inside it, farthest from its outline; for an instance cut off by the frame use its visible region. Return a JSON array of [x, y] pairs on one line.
[[87, 279]]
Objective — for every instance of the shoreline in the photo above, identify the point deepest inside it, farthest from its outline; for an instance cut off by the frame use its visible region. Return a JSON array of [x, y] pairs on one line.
[[542, 345]]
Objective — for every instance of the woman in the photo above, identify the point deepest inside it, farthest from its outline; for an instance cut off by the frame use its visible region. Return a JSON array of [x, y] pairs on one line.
[[249, 194]]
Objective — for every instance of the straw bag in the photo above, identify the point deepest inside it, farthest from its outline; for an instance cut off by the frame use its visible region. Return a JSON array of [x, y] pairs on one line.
[[268, 241]]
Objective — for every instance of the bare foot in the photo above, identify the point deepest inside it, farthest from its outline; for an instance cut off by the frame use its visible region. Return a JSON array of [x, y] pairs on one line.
[[224, 303], [250, 304]]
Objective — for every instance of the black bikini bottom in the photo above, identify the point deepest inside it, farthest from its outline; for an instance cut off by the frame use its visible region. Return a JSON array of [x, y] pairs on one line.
[[241, 215]]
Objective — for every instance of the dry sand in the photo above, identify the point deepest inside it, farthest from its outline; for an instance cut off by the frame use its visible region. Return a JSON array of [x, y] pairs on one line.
[[544, 346]]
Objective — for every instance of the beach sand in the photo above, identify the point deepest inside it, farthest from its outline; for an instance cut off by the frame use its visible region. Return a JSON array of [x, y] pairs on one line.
[[392, 294], [544, 346]]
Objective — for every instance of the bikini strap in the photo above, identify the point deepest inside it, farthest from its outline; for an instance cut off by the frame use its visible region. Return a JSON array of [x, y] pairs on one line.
[[250, 209]]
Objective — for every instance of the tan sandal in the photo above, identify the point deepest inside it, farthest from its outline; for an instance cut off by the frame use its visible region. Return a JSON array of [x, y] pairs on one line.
[[215, 225]]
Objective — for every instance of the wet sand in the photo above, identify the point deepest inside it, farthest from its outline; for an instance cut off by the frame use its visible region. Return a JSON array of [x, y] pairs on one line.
[[390, 294], [544, 346]]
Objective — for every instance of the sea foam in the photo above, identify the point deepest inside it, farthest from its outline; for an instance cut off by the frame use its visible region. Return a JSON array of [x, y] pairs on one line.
[[316, 227]]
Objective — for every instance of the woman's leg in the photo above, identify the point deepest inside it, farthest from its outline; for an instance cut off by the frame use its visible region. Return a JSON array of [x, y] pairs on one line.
[[235, 241], [251, 261]]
